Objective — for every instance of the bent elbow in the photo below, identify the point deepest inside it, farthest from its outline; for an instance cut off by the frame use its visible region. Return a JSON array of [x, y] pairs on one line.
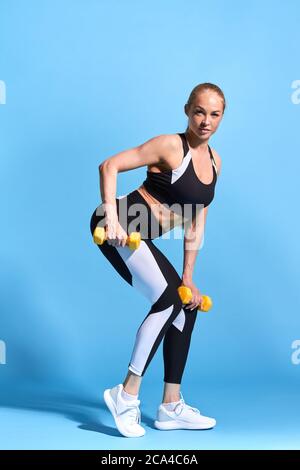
[[107, 165], [102, 165]]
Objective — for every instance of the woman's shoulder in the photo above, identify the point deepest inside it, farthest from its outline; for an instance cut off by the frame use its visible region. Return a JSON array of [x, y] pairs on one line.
[[170, 149], [169, 141]]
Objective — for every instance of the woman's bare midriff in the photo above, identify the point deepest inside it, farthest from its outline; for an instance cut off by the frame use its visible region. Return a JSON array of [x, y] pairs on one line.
[[166, 218]]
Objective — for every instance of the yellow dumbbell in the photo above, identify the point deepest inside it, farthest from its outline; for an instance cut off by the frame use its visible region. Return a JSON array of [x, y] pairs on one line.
[[186, 296], [133, 240]]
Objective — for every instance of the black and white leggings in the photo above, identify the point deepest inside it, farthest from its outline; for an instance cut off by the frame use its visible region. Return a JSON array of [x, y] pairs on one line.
[[150, 272]]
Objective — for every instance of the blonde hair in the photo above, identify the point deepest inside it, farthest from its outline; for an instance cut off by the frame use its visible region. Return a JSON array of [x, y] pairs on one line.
[[204, 87]]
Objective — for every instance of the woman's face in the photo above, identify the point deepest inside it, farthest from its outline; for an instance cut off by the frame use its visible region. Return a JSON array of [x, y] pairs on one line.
[[205, 114]]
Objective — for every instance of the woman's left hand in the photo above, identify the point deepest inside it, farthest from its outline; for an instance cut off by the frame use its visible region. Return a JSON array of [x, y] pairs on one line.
[[196, 299]]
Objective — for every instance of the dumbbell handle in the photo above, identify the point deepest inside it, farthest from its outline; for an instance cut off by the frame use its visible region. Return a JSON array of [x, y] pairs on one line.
[[186, 296], [133, 240]]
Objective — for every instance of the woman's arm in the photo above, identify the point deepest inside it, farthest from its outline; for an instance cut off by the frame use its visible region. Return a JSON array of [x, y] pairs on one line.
[[193, 237], [152, 152]]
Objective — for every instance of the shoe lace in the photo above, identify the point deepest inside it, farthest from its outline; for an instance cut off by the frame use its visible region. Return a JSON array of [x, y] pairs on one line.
[[181, 405]]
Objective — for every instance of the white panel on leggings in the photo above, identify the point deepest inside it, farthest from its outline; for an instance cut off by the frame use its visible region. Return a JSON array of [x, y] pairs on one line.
[[179, 320], [146, 337], [181, 169], [146, 274]]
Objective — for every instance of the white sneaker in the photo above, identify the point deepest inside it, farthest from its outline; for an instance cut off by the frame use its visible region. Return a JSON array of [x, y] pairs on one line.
[[182, 417], [126, 413]]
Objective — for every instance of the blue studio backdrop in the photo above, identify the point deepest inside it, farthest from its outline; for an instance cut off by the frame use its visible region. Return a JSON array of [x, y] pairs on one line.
[[79, 82]]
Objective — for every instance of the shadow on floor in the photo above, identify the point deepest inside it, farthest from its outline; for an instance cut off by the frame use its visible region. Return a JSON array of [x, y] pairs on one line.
[[86, 412]]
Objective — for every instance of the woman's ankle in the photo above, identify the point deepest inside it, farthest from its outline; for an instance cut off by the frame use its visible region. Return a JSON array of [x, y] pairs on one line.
[[132, 383], [171, 399], [171, 392]]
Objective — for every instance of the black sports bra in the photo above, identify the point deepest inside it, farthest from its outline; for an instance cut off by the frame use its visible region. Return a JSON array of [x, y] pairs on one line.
[[181, 185]]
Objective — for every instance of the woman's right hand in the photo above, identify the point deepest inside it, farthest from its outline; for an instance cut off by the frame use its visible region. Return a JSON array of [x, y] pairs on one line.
[[115, 234]]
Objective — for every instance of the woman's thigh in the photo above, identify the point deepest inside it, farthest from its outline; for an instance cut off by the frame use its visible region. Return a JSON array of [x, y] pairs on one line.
[[151, 271]]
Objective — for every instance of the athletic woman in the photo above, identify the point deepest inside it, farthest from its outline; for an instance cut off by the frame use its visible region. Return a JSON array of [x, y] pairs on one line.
[[182, 171]]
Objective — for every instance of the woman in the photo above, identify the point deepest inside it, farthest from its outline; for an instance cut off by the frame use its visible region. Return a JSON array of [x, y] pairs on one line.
[[182, 171]]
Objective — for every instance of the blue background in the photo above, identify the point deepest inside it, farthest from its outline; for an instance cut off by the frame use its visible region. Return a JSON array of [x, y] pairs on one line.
[[88, 79]]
